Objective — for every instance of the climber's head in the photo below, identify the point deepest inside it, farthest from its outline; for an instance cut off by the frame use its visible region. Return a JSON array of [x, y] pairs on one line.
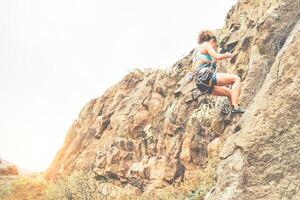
[[208, 36]]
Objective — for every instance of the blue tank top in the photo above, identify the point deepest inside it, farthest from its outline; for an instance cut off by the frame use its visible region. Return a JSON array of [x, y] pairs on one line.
[[198, 55]]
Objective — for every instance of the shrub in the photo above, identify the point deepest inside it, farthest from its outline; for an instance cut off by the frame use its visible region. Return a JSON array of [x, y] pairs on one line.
[[79, 185]]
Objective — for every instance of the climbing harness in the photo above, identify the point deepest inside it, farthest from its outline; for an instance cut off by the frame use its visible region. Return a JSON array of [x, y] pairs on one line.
[[203, 75]]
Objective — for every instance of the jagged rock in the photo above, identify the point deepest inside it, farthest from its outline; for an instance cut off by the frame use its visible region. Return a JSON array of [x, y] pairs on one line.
[[136, 170], [214, 147], [155, 168]]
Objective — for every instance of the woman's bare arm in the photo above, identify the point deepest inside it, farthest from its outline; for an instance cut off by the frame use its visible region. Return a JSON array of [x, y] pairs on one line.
[[217, 56]]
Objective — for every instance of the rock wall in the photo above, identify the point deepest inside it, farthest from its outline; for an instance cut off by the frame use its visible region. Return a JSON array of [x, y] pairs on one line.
[[151, 129], [261, 159], [141, 132]]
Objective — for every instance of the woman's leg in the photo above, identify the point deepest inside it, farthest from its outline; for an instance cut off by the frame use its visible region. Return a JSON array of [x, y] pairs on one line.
[[230, 79], [222, 91]]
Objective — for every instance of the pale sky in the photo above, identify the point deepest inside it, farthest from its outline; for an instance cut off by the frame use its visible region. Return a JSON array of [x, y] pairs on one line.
[[56, 55]]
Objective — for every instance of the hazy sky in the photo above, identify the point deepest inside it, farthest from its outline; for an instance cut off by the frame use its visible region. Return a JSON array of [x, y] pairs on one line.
[[56, 55]]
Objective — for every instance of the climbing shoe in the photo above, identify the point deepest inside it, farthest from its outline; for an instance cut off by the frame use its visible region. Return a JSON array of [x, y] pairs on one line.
[[238, 110]]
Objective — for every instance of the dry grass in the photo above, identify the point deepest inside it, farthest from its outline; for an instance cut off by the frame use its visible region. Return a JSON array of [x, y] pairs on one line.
[[23, 187]]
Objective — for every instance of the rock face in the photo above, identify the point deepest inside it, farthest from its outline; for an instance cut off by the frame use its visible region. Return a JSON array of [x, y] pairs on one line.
[[139, 132], [7, 169], [262, 159], [152, 129]]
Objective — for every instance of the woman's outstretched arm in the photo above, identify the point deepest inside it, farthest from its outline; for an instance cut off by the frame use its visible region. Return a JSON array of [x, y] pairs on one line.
[[217, 56]]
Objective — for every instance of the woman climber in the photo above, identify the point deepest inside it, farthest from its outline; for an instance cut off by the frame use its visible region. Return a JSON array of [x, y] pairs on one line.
[[209, 81]]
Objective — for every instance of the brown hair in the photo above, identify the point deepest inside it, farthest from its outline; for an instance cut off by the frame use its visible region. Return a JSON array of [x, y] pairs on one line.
[[205, 36]]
